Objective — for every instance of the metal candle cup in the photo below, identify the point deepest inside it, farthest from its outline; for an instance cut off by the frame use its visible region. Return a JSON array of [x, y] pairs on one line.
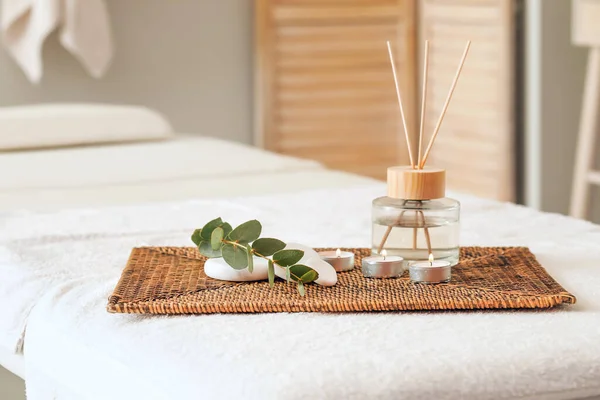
[[382, 266], [340, 260], [430, 272]]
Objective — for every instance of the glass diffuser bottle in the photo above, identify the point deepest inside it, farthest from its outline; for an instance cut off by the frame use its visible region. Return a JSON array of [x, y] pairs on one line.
[[415, 219]]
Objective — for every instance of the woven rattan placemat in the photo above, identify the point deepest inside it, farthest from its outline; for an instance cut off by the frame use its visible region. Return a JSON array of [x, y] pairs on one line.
[[171, 280]]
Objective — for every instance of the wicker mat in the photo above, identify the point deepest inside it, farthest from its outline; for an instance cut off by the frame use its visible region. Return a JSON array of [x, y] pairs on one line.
[[171, 280]]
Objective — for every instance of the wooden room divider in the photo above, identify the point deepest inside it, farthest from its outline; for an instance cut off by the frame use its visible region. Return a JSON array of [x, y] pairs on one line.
[[324, 87]]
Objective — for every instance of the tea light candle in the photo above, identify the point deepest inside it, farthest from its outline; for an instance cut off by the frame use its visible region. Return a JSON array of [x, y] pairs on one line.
[[383, 266], [430, 271], [339, 260]]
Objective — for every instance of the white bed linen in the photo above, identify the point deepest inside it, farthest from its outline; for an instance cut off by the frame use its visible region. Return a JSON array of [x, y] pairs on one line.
[[74, 258], [177, 188], [184, 157], [183, 168]]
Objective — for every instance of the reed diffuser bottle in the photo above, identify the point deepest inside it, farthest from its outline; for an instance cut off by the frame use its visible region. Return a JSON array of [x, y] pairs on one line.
[[415, 219]]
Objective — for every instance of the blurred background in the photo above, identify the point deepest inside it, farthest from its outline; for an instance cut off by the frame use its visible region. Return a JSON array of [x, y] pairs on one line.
[[311, 78]]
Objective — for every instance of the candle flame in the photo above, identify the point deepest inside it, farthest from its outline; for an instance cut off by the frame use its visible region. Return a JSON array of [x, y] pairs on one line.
[[431, 259], [384, 253], [338, 253]]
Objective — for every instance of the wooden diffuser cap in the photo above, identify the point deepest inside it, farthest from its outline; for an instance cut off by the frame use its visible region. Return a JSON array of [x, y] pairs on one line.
[[404, 182]]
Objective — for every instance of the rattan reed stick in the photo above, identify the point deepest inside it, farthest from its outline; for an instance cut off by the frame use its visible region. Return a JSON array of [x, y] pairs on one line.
[[427, 236], [445, 108], [384, 239], [388, 231], [415, 232], [406, 135], [423, 101], [417, 226]]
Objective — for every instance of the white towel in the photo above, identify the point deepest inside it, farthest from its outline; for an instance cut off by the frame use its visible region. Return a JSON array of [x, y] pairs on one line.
[[85, 32], [73, 347]]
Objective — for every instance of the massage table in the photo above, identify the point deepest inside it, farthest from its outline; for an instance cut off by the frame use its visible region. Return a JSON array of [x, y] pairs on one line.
[[59, 156], [60, 259]]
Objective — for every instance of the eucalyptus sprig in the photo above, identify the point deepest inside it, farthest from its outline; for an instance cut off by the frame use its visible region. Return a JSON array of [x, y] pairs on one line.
[[237, 247]]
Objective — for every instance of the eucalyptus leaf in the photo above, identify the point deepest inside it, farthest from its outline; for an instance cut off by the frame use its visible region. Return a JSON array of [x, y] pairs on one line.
[[235, 256], [216, 238], [310, 276], [250, 259], [285, 258], [301, 288], [208, 229], [303, 273], [271, 273], [196, 238], [249, 231], [267, 246], [206, 250], [226, 229]]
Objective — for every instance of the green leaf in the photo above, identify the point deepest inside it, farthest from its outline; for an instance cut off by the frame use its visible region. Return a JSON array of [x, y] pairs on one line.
[[271, 273], [267, 246], [206, 250], [246, 232], [250, 259], [285, 258], [301, 288], [303, 273], [226, 229], [310, 276], [235, 256], [196, 238], [216, 237], [208, 229]]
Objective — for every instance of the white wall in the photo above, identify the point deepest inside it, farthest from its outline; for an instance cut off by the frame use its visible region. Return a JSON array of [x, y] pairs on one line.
[[191, 59], [563, 72], [561, 69]]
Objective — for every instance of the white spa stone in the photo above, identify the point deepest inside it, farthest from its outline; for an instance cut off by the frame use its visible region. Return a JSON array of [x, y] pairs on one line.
[[327, 274], [217, 268]]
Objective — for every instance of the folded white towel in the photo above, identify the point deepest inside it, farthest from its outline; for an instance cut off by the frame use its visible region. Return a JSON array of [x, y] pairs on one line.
[[85, 32]]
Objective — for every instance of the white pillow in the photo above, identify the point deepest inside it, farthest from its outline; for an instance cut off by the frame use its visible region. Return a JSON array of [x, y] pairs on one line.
[[57, 125]]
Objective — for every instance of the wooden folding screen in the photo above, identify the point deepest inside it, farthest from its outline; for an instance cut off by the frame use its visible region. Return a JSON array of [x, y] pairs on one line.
[[475, 143], [324, 88]]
